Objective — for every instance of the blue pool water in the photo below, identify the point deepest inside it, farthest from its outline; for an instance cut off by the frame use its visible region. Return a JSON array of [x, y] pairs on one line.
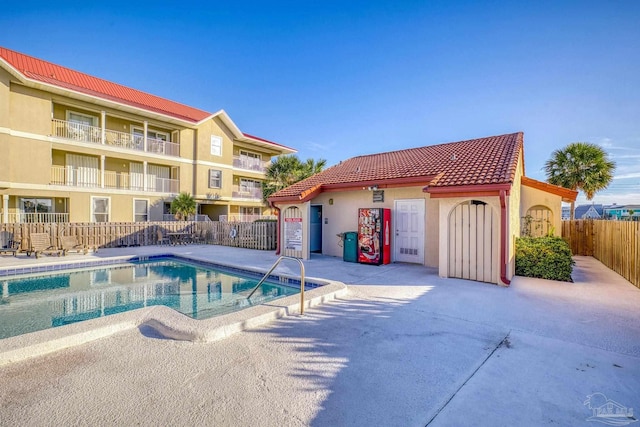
[[40, 301]]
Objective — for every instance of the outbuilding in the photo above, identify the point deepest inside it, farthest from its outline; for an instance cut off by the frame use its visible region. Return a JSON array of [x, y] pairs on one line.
[[456, 206]]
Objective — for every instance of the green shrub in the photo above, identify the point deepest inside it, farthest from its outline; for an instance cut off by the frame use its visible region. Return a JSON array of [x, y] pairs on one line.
[[544, 257]]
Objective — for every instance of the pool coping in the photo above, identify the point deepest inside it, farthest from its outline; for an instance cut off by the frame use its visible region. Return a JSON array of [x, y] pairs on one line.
[[167, 322]]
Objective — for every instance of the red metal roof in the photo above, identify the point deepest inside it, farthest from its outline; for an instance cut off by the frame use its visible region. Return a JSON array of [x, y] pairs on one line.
[[490, 160]]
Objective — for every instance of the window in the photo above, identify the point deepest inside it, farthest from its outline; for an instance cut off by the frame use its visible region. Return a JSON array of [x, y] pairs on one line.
[[215, 178], [140, 210], [99, 209], [81, 119], [216, 145]]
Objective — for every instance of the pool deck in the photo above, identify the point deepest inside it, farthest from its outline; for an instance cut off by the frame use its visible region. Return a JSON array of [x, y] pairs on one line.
[[400, 347]]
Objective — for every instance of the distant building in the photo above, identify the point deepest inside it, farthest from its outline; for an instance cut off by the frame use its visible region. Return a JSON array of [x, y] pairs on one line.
[[622, 212], [591, 211]]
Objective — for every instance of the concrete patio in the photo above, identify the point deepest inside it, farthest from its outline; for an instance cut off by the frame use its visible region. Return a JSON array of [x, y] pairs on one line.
[[403, 347]]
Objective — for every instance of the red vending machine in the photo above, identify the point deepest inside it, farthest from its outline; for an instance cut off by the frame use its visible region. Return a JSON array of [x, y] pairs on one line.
[[374, 238]]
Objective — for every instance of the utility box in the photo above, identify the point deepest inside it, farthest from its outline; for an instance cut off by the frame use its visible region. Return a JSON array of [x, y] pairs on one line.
[[350, 246]]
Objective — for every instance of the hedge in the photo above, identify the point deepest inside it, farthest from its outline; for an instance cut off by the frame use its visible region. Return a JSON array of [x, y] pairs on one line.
[[544, 258]]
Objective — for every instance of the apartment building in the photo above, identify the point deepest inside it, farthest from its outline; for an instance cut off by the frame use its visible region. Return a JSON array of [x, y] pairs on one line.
[[77, 148]]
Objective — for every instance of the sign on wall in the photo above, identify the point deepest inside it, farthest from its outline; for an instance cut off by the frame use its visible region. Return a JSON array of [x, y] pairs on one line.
[[293, 234]]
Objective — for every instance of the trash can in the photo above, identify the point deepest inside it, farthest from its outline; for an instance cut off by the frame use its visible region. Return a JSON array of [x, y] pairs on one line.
[[350, 246]]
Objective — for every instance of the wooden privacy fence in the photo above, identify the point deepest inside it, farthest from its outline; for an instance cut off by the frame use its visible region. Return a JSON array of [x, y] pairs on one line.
[[616, 244], [255, 235]]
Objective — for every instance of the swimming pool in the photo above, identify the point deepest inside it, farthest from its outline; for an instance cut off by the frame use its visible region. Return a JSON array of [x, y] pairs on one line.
[[37, 301]]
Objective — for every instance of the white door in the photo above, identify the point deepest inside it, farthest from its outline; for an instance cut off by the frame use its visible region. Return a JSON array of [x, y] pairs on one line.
[[409, 235]]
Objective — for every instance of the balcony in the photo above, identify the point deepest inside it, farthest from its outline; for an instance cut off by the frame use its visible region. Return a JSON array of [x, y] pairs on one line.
[[245, 218], [91, 178], [94, 135], [249, 193], [250, 163], [38, 217]]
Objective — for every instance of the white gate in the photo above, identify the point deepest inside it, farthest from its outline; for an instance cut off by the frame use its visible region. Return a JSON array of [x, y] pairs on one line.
[[473, 242]]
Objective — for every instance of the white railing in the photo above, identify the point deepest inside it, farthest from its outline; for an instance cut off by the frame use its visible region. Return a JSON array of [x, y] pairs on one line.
[[74, 177], [119, 180], [163, 185], [249, 163], [247, 193], [244, 217], [159, 146], [38, 217], [124, 140], [76, 131], [92, 134], [200, 218]]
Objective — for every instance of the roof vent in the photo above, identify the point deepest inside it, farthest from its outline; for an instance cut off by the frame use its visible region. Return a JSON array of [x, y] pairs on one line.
[[358, 169], [453, 157]]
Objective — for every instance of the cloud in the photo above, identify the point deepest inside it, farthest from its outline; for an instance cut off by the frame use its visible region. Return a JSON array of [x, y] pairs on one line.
[[628, 175]]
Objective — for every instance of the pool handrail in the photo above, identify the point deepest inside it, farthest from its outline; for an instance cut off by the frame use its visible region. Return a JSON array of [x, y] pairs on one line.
[[273, 267]]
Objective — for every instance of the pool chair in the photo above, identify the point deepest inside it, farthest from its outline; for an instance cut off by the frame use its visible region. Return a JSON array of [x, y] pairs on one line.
[[70, 244], [162, 239], [8, 245], [40, 243]]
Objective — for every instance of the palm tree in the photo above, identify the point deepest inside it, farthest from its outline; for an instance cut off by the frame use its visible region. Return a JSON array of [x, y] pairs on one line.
[[287, 170], [580, 166], [183, 206]]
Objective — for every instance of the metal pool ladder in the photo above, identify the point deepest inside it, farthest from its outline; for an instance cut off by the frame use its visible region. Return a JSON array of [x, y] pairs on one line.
[[301, 279]]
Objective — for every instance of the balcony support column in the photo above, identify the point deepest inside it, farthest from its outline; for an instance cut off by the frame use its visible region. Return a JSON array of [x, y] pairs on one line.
[[103, 126], [102, 158], [144, 165], [5, 208], [144, 138]]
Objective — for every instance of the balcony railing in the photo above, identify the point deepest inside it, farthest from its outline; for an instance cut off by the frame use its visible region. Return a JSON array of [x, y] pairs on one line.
[[92, 134], [249, 163], [38, 217], [84, 177], [247, 193], [172, 217], [244, 217]]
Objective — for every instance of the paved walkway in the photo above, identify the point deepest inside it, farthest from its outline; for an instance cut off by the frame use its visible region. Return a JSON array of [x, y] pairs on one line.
[[403, 347]]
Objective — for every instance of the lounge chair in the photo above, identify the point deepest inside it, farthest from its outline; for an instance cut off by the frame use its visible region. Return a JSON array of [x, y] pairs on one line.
[[70, 244], [8, 244], [40, 243]]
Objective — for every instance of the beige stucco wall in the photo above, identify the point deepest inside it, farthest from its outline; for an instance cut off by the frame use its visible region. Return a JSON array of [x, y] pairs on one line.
[[513, 226], [531, 197], [30, 110], [342, 215]]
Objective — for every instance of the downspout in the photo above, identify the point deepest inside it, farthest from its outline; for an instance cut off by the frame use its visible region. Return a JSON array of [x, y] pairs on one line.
[[273, 206], [503, 238]]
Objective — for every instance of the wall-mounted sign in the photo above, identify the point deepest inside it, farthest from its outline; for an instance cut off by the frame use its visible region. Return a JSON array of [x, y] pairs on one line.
[[378, 196], [293, 234]]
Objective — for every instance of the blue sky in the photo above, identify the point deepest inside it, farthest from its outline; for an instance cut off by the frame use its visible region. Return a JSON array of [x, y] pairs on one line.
[[340, 79]]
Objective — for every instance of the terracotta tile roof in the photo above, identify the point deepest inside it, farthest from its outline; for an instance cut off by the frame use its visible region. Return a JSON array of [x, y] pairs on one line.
[[566, 194], [490, 160], [46, 72]]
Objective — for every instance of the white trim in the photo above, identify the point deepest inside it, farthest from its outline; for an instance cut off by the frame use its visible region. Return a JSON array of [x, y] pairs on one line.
[[91, 212]]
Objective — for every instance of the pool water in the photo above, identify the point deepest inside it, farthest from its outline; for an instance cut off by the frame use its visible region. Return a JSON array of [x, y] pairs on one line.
[[35, 302]]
